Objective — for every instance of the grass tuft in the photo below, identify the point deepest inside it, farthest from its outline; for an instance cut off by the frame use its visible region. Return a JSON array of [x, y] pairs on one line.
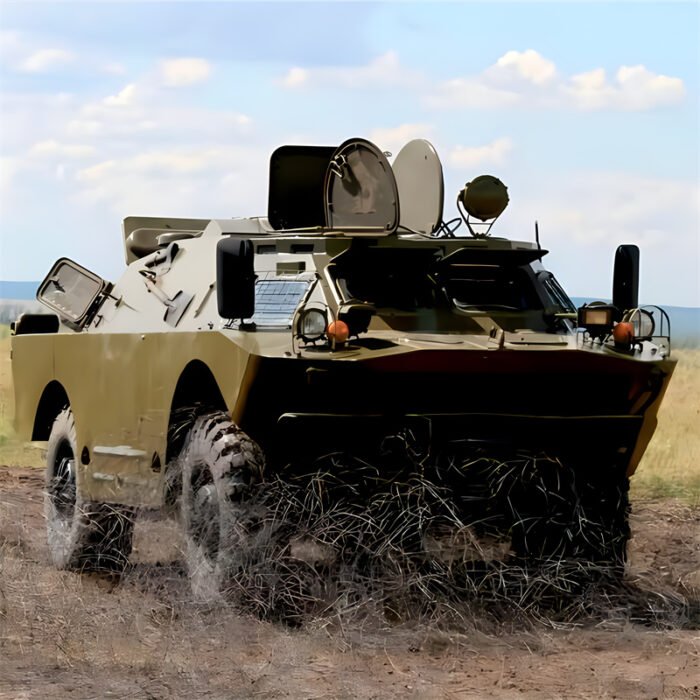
[[332, 547]]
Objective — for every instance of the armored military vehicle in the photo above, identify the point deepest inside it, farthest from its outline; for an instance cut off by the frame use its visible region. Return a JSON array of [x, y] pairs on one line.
[[351, 314]]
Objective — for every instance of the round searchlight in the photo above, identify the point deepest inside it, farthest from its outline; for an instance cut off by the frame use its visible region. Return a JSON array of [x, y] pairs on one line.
[[485, 197]]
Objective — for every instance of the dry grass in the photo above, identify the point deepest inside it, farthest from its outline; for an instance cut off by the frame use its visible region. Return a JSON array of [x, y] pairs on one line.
[[671, 465], [335, 547], [90, 636], [143, 636]]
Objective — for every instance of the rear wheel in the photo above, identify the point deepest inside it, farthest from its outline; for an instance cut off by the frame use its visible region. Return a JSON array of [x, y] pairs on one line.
[[81, 534], [219, 463]]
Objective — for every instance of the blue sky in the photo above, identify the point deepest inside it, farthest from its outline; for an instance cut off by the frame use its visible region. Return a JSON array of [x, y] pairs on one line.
[[589, 112]]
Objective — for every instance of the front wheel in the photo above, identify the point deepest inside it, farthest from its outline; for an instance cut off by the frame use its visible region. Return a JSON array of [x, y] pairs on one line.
[[219, 463], [81, 534]]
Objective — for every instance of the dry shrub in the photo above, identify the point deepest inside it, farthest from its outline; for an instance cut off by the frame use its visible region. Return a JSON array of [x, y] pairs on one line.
[[347, 543]]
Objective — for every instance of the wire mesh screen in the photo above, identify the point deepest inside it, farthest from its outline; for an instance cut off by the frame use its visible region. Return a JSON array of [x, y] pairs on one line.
[[276, 300]]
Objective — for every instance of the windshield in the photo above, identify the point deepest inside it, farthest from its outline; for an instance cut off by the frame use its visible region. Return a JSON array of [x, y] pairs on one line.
[[420, 290], [398, 279], [417, 279], [490, 287]]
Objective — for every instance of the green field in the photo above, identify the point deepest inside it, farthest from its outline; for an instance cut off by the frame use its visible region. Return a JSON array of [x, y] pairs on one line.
[[671, 466]]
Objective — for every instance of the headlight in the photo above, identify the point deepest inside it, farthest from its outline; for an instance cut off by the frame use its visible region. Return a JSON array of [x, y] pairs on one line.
[[311, 325], [597, 318]]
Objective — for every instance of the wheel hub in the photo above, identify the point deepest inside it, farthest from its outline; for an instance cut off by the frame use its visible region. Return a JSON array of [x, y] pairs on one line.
[[62, 489], [205, 516]]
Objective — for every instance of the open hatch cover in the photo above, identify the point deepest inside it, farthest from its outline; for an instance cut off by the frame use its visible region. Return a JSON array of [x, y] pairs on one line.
[[421, 188], [360, 191], [297, 176], [350, 189]]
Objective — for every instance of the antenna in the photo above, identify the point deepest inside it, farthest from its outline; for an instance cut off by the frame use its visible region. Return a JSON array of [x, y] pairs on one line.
[[537, 235]]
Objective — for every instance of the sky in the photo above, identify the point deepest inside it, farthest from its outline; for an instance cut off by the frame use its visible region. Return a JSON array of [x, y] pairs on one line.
[[588, 112]]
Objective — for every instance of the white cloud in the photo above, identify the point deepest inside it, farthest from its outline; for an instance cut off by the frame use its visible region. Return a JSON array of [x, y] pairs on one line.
[[494, 153], [152, 121], [83, 127], [528, 65], [113, 68], [469, 93], [8, 169], [528, 80], [523, 79], [145, 150], [393, 139], [95, 173], [144, 109], [606, 206], [203, 181], [171, 163], [584, 216], [383, 71], [12, 46], [28, 118], [635, 88], [24, 53], [295, 78], [178, 161], [123, 98], [179, 72], [45, 60], [53, 149]]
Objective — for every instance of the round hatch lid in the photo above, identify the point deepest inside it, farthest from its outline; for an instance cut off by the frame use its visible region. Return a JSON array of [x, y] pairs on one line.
[[421, 187], [360, 191]]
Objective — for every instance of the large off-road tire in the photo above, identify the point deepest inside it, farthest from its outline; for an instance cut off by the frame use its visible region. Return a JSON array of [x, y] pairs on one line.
[[81, 534], [219, 464]]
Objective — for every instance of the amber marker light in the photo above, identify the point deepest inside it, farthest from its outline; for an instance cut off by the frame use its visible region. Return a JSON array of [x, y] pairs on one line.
[[623, 334], [337, 332]]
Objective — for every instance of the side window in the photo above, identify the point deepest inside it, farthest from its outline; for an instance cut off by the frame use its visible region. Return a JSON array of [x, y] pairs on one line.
[[556, 295]]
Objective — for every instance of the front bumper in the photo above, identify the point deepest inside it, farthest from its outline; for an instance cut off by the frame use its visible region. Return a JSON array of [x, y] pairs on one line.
[[305, 434]]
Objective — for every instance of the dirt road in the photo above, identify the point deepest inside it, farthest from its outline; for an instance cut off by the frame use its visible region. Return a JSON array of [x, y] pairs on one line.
[[87, 636]]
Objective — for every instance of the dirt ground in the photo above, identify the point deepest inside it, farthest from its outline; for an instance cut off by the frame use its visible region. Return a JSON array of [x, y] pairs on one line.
[[88, 636]]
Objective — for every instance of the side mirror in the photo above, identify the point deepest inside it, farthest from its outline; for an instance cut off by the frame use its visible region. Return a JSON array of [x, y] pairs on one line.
[[626, 278], [235, 278]]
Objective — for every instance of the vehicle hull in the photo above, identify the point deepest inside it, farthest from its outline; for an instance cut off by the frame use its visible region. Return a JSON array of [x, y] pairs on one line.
[[557, 397]]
